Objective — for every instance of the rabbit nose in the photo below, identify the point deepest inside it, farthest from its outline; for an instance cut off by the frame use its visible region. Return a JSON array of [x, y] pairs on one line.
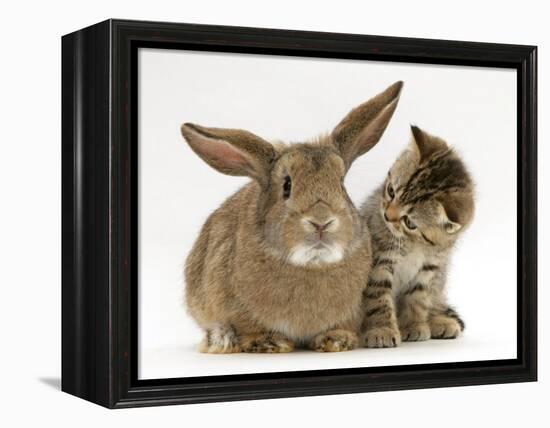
[[321, 227]]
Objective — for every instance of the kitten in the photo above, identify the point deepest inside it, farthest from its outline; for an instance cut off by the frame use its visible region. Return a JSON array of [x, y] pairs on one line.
[[415, 218]]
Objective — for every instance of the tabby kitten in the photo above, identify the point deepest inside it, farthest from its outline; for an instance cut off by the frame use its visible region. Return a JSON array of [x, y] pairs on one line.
[[415, 218]]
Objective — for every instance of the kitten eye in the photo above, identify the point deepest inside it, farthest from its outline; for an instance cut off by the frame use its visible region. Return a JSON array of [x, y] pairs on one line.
[[408, 222], [287, 186], [391, 192]]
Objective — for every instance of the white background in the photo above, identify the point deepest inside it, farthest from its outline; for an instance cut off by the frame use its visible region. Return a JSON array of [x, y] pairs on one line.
[[31, 201], [293, 99]]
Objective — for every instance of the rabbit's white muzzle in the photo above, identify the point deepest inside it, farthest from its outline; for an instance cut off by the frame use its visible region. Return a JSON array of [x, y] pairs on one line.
[[316, 254]]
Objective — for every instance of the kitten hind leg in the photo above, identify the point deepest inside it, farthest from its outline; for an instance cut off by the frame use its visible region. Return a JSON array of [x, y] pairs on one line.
[[446, 324]]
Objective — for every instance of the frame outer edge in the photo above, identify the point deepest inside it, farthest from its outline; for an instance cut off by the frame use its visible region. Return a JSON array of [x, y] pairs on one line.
[[86, 351], [71, 379]]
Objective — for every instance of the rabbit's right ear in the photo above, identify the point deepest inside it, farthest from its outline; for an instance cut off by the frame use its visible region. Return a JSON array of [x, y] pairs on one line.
[[363, 127], [230, 151]]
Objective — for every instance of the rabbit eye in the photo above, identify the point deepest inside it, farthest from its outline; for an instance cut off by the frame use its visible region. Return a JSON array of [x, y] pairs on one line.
[[287, 186], [408, 222], [391, 192]]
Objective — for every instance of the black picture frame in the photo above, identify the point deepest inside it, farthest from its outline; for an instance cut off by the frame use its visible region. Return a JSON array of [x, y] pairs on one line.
[[99, 213]]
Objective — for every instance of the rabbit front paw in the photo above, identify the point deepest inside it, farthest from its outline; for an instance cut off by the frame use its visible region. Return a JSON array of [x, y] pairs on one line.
[[334, 341], [268, 343]]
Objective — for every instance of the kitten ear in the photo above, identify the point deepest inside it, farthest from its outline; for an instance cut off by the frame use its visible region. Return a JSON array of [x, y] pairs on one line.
[[426, 144], [363, 126], [456, 210], [451, 227], [230, 151]]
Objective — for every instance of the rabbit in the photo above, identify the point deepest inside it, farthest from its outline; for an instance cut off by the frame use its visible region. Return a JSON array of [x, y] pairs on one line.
[[283, 262]]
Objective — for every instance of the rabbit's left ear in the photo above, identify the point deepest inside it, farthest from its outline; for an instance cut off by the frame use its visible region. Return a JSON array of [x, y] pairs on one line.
[[230, 151], [363, 127]]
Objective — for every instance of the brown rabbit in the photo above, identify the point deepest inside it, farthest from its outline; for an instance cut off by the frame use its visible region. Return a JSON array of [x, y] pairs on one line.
[[284, 260]]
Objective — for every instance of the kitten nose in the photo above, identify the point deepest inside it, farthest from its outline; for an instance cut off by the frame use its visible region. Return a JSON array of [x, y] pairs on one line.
[[392, 213]]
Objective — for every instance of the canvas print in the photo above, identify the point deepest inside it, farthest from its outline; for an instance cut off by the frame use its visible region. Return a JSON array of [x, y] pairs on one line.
[[305, 213]]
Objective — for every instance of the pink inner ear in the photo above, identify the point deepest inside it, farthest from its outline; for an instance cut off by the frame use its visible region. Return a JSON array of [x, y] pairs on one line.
[[225, 154]]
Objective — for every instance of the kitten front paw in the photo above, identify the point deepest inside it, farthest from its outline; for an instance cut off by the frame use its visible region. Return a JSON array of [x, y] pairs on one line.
[[443, 327], [382, 337], [415, 332], [266, 343], [334, 341]]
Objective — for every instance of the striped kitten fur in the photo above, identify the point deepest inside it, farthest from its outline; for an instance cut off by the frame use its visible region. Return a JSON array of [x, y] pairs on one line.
[[415, 218]]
